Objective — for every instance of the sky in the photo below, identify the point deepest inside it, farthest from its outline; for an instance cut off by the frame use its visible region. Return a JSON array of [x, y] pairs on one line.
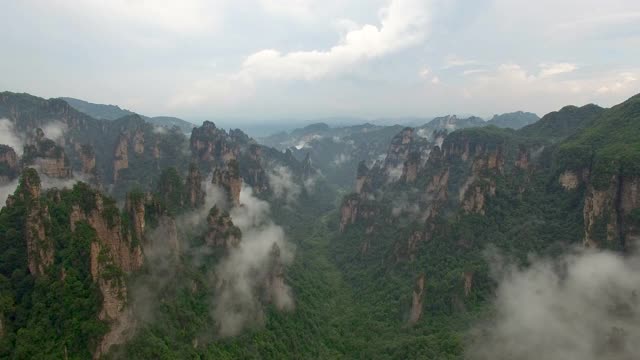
[[257, 60]]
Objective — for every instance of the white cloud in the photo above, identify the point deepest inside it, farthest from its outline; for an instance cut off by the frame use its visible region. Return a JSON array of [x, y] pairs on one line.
[[403, 24], [298, 9], [424, 72], [581, 306], [435, 80], [9, 136], [185, 16], [550, 69], [453, 60]]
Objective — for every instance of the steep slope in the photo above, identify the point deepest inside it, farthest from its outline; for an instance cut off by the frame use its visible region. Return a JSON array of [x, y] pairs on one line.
[[113, 112], [514, 120], [565, 122], [424, 239]]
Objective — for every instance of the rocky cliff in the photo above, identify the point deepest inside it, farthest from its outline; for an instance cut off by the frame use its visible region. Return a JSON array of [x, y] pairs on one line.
[[229, 180]]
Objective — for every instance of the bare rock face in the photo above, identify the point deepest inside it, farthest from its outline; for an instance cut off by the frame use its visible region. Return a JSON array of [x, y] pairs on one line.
[[467, 277], [256, 176], [221, 232], [410, 169], [113, 254], [348, 212], [8, 164], [88, 159], [195, 192], [569, 180], [607, 211], [138, 142], [523, 160], [417, 299], [47, 155], [121, 156], [399, 150], [229, 180], [40, 249], [210, 144]]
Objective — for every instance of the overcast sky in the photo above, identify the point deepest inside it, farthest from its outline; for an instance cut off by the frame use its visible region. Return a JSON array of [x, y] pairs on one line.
[[274, 59]]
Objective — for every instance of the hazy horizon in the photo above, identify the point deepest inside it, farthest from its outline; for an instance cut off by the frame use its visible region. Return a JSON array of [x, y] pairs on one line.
[[308, 59]]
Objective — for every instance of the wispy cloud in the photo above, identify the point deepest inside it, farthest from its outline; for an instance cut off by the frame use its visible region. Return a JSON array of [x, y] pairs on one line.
[[550, 69]]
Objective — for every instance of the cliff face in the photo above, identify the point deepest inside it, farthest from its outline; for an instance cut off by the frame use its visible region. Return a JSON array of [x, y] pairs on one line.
[[417, 298], [48, 156], [256, 177], [40, 247], [195, 192], [399, 150], [229, 180], [8, 164], [121, 156], [221, 232], [608, 212], [210, 145]]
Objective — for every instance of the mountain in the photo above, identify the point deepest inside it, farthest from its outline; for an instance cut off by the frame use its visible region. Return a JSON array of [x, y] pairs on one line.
[[564, 122], [514, 120], [122, 241], [113, 112]]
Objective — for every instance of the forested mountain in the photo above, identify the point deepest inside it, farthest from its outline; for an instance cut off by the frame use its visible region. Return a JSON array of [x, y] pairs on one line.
[[113, 112], [514, 120], [121, 239]]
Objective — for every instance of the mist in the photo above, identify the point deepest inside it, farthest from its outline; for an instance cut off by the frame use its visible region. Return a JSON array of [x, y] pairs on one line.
[[283, 185], [583, 306], [8, 136], [252, 273]]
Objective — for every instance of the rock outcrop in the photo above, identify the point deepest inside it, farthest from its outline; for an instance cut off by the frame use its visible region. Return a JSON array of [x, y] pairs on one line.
[[417, 298], [194, 192], [221, 232], [229, 180], [8, 164]]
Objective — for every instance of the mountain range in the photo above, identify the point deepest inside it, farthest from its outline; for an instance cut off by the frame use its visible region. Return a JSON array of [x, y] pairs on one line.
[[126, 237]]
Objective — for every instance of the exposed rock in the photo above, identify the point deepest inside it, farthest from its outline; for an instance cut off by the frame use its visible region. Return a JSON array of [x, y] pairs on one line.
[[522, 161], [8, 164], [348, 212], [121, 156], [229, 180], [221, 232], [467, 276], [138, 142], [195, 192], [399, 150], [210, 144], [256, 177], [569, 180], [410, 169], [417, 299], [47, 155], [87, 159]]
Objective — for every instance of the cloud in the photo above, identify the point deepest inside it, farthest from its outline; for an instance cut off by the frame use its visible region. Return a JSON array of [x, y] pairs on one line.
[[55, 130], [435, 80], [583, 306], [9, 136], [452, 61], [6, 190], [254, 270], [283, 185], [473, 71], [550, 69], [403, 24], [181, 17], [424, 72]]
